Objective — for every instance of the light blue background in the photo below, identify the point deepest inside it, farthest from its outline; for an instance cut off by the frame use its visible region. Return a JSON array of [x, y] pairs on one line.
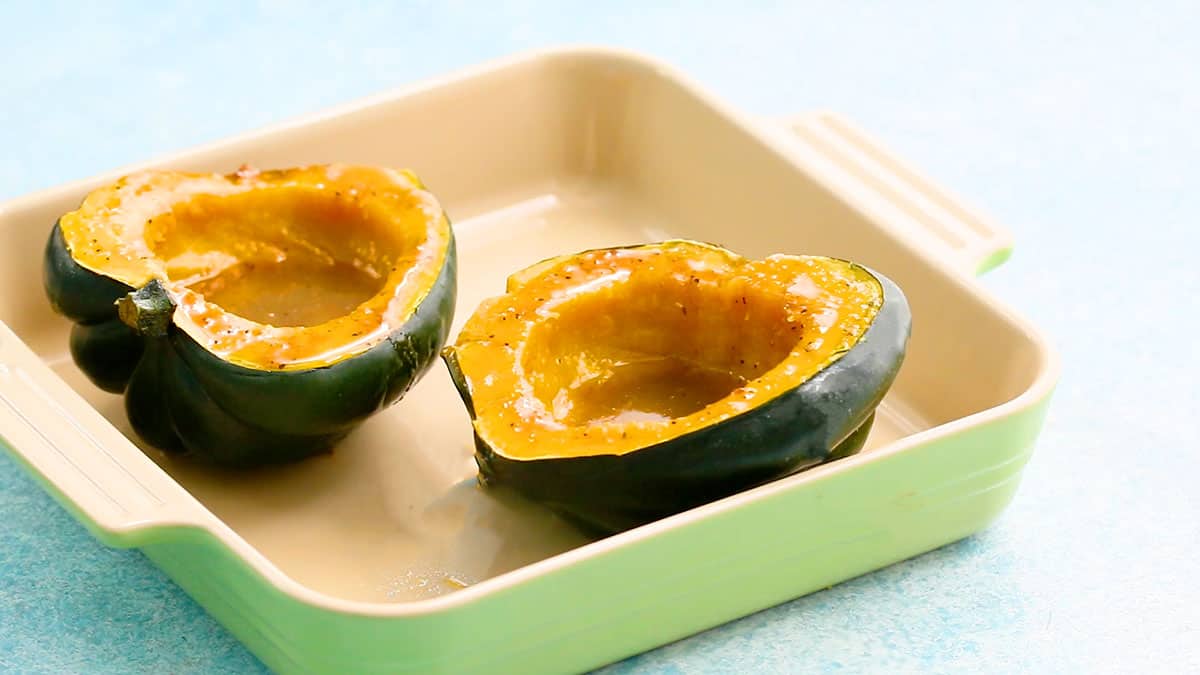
[[1078, 127]]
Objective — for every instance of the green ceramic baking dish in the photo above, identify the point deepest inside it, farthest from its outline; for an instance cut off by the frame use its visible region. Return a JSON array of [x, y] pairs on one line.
[[385, 557]]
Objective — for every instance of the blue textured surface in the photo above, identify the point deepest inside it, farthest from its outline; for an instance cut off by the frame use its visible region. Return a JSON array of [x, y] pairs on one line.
[[1074, 126]]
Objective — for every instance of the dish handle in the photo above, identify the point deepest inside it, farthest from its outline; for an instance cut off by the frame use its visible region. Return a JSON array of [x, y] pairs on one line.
[[90, 467], [880, 180]]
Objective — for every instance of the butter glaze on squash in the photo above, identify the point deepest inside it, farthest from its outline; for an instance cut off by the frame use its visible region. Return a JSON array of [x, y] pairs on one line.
[[245, 234]]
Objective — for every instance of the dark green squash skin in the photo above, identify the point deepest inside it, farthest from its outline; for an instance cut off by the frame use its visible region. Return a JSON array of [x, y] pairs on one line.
[[826, 417], [182, 398], [111, 351]]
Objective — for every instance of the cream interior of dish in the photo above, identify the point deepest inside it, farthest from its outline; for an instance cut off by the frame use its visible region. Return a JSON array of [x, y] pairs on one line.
[[395, 515], [271, 270]]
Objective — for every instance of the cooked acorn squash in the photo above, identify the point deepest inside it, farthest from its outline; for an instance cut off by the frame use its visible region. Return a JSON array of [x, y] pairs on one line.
[[622, 385], [256, 317]]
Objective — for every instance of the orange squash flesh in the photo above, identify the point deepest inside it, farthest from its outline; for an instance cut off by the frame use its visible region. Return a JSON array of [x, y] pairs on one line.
[[610, 351], [271, 270]]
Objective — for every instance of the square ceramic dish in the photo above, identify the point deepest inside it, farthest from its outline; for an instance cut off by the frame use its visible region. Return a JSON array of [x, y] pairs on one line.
[[385, 556]]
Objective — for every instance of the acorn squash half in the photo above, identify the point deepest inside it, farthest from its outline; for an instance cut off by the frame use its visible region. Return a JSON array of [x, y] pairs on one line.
[[622, 385], [256, 317]]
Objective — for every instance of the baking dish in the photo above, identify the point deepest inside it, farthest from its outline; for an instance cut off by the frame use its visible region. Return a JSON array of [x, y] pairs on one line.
[[385, 556]]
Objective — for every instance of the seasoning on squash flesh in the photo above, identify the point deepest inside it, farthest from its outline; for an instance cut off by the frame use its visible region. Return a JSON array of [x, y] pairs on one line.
[[255, 317], [623, 385]]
